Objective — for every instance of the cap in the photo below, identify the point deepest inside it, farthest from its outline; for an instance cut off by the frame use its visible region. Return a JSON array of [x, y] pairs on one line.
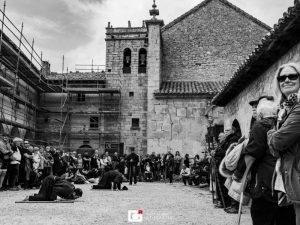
[[256, 101], [16, 139], [26, 142]]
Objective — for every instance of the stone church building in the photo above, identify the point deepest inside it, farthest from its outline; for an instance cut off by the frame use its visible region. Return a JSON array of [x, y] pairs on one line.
[[166, 76]]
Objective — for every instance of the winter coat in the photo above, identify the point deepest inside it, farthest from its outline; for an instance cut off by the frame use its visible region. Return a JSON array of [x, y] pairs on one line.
[[263, 168], [222, 148], [135, 159], [286, 142]]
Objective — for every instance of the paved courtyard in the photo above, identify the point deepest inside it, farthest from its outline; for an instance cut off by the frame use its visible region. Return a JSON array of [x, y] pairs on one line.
[[161, 204]]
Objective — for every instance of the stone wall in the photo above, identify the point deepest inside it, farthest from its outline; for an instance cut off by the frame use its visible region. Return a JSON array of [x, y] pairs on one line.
[[208, 44], [180, 124], [238, 108]]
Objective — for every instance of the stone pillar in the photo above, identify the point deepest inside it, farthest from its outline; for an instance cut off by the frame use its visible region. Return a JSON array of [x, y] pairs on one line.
[[153, 69]]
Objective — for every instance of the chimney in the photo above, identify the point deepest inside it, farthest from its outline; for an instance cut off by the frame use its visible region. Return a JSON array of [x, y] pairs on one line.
[[45, 68], [129, 23]]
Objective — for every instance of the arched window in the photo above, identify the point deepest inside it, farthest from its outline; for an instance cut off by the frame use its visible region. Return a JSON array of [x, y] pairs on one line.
[[127, 61], [142, 60]]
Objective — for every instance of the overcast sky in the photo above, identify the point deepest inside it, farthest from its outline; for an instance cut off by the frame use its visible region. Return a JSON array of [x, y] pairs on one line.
[[76, 28]]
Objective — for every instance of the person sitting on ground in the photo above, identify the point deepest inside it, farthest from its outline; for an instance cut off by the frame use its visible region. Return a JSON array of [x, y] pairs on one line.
[[194, 175], [148, 172], [185, 173], [54, 186]]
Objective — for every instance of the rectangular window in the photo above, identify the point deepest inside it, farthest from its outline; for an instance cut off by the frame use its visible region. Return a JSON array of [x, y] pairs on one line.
[[80, 97], [135, 124], [94, 122], [131, 94]]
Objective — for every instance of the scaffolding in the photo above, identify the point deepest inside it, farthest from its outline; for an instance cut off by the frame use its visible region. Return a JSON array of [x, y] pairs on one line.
[[89, 111], [20, 74]]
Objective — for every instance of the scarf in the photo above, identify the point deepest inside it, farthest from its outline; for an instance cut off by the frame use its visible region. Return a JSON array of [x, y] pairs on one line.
[[286, 107], [291, 100]]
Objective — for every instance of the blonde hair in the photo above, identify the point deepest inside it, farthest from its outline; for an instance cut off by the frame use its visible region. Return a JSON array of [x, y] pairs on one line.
[[295, 66]]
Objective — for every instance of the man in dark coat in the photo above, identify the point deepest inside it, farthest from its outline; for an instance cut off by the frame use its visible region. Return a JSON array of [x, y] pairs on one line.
[[132, 161], [169, 161], [111, 176], [264, 208], [52, 187], [231, 138], [59, 165]]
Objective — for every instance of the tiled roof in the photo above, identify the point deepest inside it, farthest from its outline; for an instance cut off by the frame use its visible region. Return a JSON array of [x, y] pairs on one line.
[[176, 88], [202, 4], [284, 35], [77, 76]]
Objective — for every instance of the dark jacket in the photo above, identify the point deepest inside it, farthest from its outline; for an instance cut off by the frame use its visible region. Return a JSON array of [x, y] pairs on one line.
[[94, 164], [59, 165], [222, 148], [52, 187], [108, 177], [135, 159], [286, 142], [263, 168]]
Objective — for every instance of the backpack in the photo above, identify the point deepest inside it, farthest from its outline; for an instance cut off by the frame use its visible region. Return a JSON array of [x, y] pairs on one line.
[[233, 155]]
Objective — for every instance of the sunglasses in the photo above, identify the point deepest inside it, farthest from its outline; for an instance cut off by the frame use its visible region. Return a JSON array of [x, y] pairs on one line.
[[290, 76]]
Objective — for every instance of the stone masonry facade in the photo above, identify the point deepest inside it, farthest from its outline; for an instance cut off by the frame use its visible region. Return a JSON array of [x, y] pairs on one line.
[[133, 85], [206, 44], [209, 43]]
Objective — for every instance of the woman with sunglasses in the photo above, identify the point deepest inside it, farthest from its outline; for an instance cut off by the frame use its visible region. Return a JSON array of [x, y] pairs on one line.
[[285, 141]]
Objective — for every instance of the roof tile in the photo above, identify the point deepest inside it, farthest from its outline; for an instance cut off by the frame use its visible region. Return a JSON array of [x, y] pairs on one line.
[[190, 87]]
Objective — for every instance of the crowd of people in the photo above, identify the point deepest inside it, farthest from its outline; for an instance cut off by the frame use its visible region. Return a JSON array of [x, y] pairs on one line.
[[270, 152], [24, 166]]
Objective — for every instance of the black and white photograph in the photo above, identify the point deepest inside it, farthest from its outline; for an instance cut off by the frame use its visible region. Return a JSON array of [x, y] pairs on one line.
[[156, 112]]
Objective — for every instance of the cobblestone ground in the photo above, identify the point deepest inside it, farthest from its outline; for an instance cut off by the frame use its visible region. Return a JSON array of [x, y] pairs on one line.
[[161, 204]]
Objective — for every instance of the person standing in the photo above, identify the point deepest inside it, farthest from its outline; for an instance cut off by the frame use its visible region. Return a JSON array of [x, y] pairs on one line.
[[169, 161], [94, 161], [13, 167], [231, 206], [264, 207], [177, 162], [186, 160], [132, 162], [115, 160], [5, 153], [284, 140]]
